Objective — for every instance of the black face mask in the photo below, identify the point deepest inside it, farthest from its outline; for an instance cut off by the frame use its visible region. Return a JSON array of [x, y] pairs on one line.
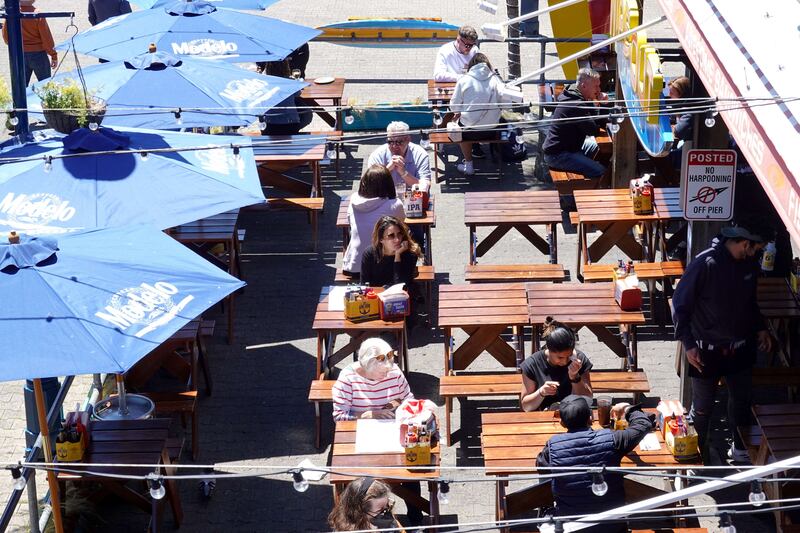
[[383, 520]]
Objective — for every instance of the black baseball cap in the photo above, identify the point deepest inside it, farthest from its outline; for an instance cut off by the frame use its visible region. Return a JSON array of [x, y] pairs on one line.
[[574, 411]]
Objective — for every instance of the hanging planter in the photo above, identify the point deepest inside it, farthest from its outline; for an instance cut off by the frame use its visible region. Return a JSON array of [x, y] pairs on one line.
[[67, 107]]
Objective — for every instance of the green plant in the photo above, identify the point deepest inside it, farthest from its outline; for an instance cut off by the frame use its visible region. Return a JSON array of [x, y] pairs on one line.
[[5, 95], [69, 97]]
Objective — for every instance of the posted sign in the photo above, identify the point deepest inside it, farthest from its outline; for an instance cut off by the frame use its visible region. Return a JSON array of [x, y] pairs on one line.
[[707, 187]]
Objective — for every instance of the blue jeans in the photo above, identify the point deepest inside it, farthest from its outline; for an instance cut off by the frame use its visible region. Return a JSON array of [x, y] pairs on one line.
[[38, 62], [578, 162], [703, 391]]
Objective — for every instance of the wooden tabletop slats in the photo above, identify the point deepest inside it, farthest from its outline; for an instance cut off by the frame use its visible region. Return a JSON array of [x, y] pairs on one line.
[[324, 91], [512, 441], [517, 207], [511, 383], [472, 304], [615, 205], [335, 320], [342, 221], [578, 304], [776, 300]]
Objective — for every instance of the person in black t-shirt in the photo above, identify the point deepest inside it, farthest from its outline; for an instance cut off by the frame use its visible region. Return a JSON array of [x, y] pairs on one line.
[[552, 374], [392, 258]]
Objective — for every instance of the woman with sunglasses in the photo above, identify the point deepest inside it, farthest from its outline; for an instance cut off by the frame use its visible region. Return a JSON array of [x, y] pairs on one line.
[[365, 504], [372, 387], [393, 256], [375, 198]]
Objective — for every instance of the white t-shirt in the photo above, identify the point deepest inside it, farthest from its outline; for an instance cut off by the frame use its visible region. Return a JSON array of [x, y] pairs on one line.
[[450, 63]]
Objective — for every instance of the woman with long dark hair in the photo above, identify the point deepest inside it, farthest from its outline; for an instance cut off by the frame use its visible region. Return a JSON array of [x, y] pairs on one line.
[[366, 503], [552, 374], [393, 256]]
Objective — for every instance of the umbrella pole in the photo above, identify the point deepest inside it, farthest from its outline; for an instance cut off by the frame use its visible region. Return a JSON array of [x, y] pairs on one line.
[[44, 429]]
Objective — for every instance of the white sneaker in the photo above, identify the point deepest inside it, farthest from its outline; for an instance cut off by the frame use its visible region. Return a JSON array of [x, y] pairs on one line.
[[466, 168], [739, 456]]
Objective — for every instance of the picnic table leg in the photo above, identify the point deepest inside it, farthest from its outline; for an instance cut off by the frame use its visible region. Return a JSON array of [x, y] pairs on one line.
[[535, 338], [320, 352], [473, 243], [433, 503], [402, 341], [500, 511], [552, 241], [519, 343], [316, 180], [448, 409], [230, 318], [428, 246], [171, 485], [583, 253], [448, 348]]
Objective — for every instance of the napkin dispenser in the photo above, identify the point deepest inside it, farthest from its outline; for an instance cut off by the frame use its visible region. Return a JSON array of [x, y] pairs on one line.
[[627, 292], [394, 303]]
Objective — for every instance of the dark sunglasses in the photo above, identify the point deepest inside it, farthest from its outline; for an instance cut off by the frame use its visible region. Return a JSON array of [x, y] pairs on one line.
[[395, 142], [466, 44]]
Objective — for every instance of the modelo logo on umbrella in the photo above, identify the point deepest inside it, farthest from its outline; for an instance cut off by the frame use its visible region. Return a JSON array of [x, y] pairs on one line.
[[148, 306], [205, 48], [253, 91], [34, 212]]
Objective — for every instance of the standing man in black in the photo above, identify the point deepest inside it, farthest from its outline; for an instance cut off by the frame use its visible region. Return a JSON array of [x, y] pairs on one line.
[[718, 320], [100, 10]]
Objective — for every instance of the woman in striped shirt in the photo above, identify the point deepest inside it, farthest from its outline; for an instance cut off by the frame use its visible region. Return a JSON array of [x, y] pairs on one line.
[[373, 387]]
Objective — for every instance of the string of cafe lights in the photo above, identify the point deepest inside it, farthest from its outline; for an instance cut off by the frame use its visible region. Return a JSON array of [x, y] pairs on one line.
[[615, 115]]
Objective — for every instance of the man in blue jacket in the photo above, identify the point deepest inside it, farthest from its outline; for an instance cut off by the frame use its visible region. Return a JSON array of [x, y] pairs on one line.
[[570, 144], [719, 323], [582, 446]]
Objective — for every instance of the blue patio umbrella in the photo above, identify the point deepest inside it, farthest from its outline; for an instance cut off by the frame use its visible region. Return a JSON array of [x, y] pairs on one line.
[[143, 92], [98, 301], [197, 29], [229, 4], [95, 302], [92, 190]]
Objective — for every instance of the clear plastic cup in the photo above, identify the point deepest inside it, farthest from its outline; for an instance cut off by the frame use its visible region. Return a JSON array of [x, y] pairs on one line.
[[604, 410]]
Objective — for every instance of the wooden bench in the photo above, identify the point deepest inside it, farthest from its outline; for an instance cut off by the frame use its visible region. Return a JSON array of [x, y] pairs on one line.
[[426, 275], [540, 272], [321, 391], [312, 206], [567, 182], [441, 138], [645, 271], [179, 402], [510, 384]]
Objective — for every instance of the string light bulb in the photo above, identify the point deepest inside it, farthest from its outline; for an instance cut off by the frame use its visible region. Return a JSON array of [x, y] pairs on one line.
[[710, 120], [154, 482], [178, 118], [48, 164], [19, 480], [262, 122], [727, 524], [617, 115], [299, 482], [437, 117], [144, 156], [444, 492], [13, 119], [330, 150], [756, 496], [425, 139], [235, 148], [599, 485], [348, 116], [612, 127], [558, 526], [520, 136], [93, 126]]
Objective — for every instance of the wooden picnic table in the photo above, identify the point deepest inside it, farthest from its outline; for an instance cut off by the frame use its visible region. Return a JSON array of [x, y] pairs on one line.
[[440, 92], [286, 152], [326, 94], [426, 223], [128, 442], [328, 324], [382, 466], [203, 236], [781, 307], [484, 311], [589, 305], [512, 210], [611, 211], [512, 441]]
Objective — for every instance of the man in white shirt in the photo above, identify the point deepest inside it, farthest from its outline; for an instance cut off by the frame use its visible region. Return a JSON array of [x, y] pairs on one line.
[[452, 58], [408, 162]]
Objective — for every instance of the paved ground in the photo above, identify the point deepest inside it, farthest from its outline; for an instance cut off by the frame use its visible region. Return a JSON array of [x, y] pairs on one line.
[[258, 412]]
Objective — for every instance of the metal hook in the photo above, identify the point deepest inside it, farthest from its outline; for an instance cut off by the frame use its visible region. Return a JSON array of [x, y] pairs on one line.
[[72, 26]]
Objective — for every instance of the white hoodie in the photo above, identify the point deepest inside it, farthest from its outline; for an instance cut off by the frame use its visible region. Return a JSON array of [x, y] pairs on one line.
[[450, 63], [477, 88], [363, 213]]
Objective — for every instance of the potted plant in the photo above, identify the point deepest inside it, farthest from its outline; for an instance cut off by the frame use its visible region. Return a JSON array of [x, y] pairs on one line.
[[5, 99], [67, 107]]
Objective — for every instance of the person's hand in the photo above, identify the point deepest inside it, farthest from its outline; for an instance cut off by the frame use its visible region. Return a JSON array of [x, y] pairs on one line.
[[574, 368], [401, 249], [550, 388], [603, 97], [378, 414], [618, 411], [399, 164], [456, 116], [53, 62], [764, 341], [693, 356]]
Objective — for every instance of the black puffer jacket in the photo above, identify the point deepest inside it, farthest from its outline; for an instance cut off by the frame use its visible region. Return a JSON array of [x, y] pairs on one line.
[[567, 134]]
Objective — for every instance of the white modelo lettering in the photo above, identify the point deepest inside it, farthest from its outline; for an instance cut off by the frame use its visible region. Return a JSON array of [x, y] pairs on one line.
[[40, 207], [204, 47], [145, 303]]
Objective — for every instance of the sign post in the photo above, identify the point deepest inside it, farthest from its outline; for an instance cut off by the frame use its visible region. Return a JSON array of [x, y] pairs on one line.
[[708, 184]]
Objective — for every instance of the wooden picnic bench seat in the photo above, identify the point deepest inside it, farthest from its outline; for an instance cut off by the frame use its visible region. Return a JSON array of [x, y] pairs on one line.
[[312, 206], [321, 391], [426, 275], [440, 138], [184, 402], [567, 182], [510, 384], [537, 272], [645, 271]]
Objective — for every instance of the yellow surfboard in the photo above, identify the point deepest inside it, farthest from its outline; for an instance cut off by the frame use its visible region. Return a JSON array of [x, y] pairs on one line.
[[571, 22]]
